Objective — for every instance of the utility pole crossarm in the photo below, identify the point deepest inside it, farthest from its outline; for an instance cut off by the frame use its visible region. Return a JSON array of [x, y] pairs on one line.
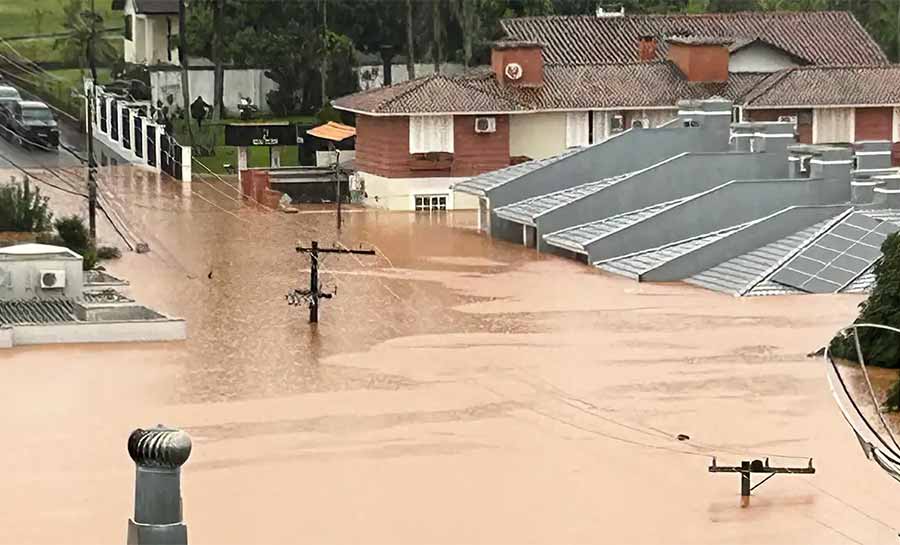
[[757, 466], [313, 294]]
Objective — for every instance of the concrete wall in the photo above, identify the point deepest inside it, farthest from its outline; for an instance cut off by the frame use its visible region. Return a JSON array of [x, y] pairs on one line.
[[371, 76], [98, 332], [728, 205], [537, 135], [25, 278], [250, 82], [777, 226], [759, 58], [680, 176]]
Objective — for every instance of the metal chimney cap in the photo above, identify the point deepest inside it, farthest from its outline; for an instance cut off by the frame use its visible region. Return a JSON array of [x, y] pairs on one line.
[[160, 447]]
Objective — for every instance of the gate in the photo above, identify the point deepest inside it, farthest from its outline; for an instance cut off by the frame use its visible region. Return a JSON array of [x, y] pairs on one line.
[[139, 137], [113, 123], [151, 145], [171, 157], [126, 132], [103, 127]]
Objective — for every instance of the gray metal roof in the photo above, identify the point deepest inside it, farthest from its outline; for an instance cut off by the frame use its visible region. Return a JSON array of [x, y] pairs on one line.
[[886, 214], [480, 185], [577, 237], [36, 311], [526, 211], [636, 264], [743, 274]]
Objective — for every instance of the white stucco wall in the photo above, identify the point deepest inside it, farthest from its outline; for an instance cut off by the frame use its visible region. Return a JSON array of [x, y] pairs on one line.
[[157, 39], [237, 83], [97, 332], [130, 49], [399, 193], [759, 58], [371, 77], [24, 278], [537, 135]]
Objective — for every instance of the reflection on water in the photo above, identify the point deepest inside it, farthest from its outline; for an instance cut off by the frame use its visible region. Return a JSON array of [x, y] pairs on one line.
[[226, 267]]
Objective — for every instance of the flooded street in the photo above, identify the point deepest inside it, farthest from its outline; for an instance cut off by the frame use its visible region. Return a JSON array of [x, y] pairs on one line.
[[458, 390]]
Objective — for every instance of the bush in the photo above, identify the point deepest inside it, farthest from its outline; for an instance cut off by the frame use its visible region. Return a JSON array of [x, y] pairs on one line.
[[108, 252], [880, 347], [328, 113], [73, 234], [24, 210]]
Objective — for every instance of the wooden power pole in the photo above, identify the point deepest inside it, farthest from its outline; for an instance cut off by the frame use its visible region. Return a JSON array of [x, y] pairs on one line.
[[313, 294], [89, 112], [757, 466]]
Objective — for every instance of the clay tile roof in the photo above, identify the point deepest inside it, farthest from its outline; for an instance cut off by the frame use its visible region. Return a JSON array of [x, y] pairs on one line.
[[823, 37], [632, 85], [831, 85], [699, 40]]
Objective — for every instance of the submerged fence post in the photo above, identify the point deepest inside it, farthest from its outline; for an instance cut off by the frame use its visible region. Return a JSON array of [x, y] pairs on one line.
[[158, 454]]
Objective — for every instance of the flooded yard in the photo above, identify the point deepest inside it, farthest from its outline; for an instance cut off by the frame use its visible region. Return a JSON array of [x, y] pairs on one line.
[[457, 390]]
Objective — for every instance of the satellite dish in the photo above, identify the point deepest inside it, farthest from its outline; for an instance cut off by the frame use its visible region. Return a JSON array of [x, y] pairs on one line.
[[862, 364]]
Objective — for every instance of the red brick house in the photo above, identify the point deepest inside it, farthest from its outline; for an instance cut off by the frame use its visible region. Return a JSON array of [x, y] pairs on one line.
[[561, 82]]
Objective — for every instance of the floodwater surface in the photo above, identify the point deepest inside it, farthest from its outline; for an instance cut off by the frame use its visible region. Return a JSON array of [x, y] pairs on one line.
[[457, 390]]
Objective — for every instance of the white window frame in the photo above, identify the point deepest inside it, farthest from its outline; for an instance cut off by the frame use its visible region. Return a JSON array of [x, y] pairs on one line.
[[430, 133], [431, 202]]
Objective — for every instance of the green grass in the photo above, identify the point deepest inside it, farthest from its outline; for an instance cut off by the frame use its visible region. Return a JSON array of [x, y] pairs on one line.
[[17, 17], [43, 50], [259, 155]]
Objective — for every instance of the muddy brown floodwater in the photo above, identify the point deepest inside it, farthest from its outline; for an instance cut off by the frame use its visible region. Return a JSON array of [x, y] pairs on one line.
[[458, 390]]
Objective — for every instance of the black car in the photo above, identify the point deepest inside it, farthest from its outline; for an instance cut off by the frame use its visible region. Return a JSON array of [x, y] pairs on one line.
[[8, 95], [33, 125]]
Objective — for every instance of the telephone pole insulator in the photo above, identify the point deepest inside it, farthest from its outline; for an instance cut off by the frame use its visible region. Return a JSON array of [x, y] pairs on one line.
[[313, 294]]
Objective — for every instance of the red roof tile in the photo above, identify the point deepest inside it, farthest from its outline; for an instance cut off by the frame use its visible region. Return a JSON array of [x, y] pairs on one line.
[[824, 37], [829, 86], [633, 85]]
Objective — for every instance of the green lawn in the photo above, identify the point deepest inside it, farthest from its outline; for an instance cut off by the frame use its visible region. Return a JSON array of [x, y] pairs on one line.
[[259, 156], [19, 18]]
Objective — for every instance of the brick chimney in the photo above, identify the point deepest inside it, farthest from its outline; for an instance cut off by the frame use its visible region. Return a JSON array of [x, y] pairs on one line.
[[647, 48], [700, 59], [518, 63]]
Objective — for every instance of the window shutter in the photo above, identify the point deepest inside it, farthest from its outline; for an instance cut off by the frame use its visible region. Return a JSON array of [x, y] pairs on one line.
[[833, 125], [430, 133], [576, 129]]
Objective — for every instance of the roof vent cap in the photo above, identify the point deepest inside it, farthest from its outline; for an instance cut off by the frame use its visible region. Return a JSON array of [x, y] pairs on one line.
[[616, 10]]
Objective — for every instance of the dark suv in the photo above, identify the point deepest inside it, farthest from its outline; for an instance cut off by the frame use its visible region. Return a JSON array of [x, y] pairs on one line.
[[8, 95], [33, 125]]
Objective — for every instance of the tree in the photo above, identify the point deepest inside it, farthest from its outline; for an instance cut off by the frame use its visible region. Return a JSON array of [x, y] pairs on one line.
[[80, 38], [466, 13], [219, 74], [880, 347], [24, 210], [410, 47], [183, 60], [437, 35]]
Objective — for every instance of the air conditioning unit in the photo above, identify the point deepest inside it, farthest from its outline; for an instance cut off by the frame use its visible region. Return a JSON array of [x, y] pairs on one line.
[[485, 124], [788, 119], [55, 279], [640, 123]]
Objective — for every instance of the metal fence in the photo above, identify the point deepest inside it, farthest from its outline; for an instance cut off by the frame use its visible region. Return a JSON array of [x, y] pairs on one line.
[[126, 133], [151, 145]]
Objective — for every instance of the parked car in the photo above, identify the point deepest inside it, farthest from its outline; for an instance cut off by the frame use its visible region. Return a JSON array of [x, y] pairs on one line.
[[8, 95], [33, 125]]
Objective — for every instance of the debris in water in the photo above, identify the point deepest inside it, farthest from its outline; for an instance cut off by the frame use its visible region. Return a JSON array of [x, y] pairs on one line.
[[683, 437]]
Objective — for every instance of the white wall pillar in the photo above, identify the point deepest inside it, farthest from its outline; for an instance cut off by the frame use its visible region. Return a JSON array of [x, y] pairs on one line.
[[159, 131], [242, 160], [148, 41], [132, 115], [185, 163], [275, 161]]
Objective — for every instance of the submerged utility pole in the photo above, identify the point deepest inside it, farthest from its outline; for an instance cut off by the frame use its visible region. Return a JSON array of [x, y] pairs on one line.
[[313, 294], [757, 466], [337, 182]]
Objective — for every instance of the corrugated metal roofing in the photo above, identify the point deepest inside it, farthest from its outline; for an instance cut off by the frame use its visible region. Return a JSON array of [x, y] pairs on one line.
[[526, 211], [36, 311], [864, 283], [639, 263], [743, 274], [575, 238], [480, 185], [335, 132]]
